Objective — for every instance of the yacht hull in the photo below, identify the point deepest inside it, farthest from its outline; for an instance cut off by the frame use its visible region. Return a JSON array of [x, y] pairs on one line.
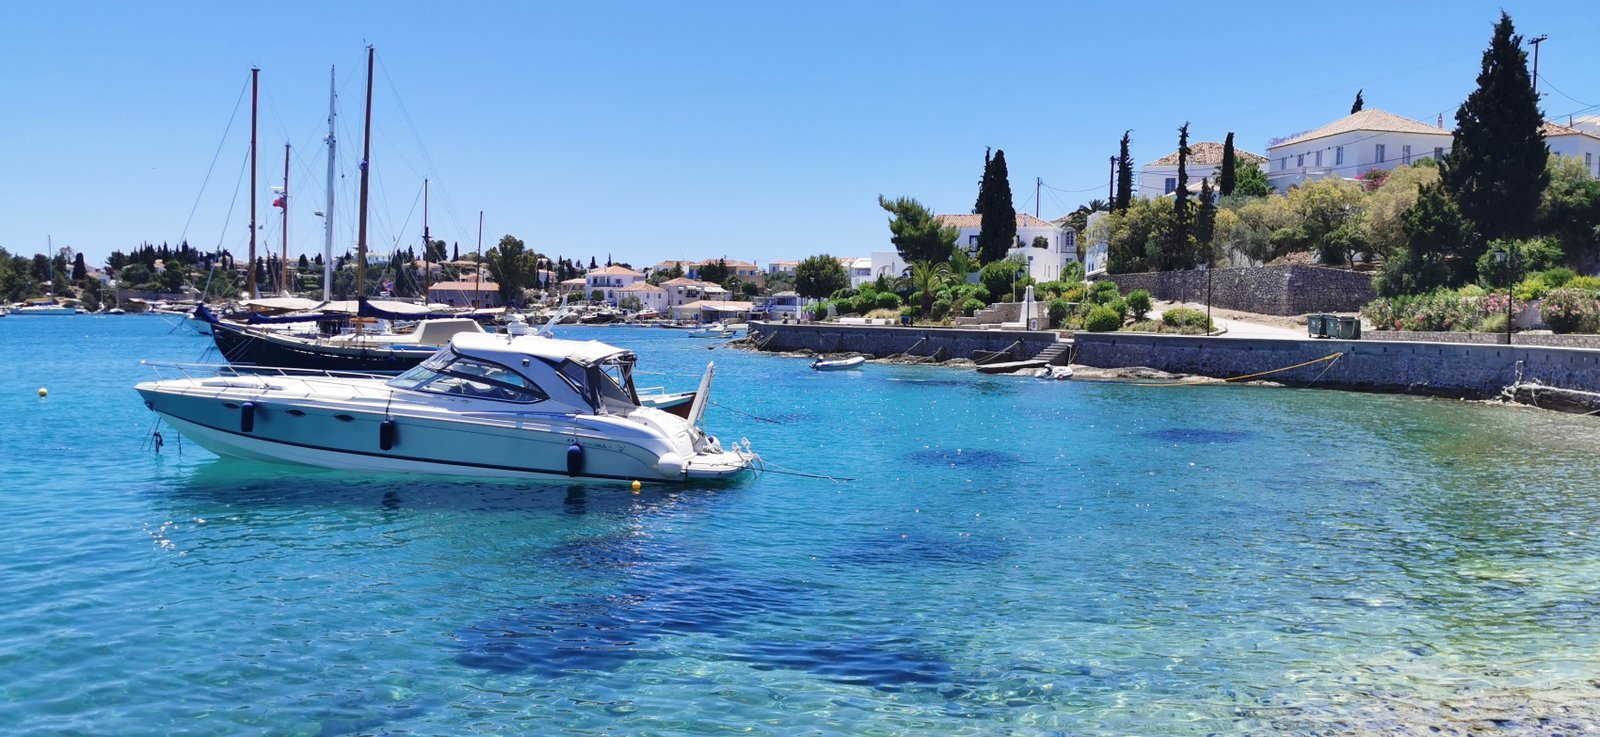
[[241, 346]]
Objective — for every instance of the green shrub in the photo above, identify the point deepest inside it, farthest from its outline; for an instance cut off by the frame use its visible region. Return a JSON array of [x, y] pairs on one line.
[[1557, 277], [1120, 306], [1495, 323], [1586, 283], [1531, 288], [939, 309], [1102, 292], [1183, 317], [1074, 293], [907, 311], [1146, 326], [1058, 311], [1139, 303], [1569, 310], [888, 301], [845, 293], [1102, 320], [1471, 290], [971, 305]]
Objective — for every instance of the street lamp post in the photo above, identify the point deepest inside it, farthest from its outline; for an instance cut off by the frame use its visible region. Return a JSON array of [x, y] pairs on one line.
[[1501, 257]]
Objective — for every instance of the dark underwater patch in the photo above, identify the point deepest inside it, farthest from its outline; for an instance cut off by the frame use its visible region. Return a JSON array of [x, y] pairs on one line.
[[966, 458], [886, 663], [1198, 436]]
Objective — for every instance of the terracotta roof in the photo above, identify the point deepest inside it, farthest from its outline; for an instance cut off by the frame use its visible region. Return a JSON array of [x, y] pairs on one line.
[[1370, 119], [1024, 220], [641, 286], [1208, 153], [1553, 130], [614, 271], [462, 286], [575, 282], [684, 281]]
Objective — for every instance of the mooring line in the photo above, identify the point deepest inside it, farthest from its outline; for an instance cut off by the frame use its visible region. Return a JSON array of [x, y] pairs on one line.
[[746, 414], [1329, 357]]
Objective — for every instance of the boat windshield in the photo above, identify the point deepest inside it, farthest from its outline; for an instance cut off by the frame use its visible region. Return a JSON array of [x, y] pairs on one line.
[[606, 386], [447, 373]]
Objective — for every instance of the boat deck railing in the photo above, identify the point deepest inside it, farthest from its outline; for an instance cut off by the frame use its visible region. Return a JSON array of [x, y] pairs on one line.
[[212, 370]]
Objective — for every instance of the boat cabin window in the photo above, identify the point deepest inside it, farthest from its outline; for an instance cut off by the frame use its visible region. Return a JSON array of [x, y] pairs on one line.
[[607, 387], [445, 373]]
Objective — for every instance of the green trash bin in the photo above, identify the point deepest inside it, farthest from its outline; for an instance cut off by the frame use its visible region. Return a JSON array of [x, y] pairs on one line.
[[1349, 328], [1316, 326]]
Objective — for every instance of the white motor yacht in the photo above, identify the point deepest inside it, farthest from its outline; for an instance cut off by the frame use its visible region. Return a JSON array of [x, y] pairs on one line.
[[485, 405]]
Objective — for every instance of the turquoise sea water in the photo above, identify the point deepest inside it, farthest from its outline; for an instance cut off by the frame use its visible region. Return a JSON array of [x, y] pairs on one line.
[[1013, 557]]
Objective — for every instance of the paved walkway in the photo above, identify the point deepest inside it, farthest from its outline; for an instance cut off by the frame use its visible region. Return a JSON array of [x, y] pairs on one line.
[[1238, 324]]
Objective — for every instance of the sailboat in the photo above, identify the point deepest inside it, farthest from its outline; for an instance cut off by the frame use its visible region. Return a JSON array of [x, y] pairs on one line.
[[46, 305], [363, 352]]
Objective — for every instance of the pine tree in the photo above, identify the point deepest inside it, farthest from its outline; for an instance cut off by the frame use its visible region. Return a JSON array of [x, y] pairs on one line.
[[998, 231], [1496, 167], [983, 183], [1179, 254], [80, 270], [916, 233], [1359, 103], [1229, 171], [1124, 177]]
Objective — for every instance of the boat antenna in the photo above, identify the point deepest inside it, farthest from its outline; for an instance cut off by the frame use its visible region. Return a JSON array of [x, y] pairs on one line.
[[361, 215], [327, 215], [255, 83]]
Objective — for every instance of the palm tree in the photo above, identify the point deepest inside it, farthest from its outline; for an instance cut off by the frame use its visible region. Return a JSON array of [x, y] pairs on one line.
[[961, 264], [927, 277]]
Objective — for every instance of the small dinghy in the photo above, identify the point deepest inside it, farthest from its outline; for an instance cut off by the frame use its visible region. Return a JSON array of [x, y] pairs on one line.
[[1053, 373], [838, 364]]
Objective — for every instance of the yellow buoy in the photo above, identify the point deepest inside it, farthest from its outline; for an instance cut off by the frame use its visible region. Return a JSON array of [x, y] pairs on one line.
[[43, 392], [636, 486]]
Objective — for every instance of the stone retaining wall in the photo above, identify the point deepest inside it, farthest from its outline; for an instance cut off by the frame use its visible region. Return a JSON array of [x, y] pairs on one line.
[[1540, 339], [878, 341], [1266, 290], [1462, 370]]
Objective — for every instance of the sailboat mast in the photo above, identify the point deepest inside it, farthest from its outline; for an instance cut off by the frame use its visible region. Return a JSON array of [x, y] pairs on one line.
[[361, 217], [327, 219], [283, 286], [250, 282], [477, 283], [427, 242]]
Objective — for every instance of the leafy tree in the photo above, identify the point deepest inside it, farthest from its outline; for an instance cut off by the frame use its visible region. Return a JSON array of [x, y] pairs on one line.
[[512, 266], [1358, 104], [1124, 177], [982, 202], [1437, 236], [1496, 167], [1229, 175], [819, 276], [1570, 211], [133, 276], [304, 264], [916, 233], [715, 272], [999, 276], [1382, 226], [1252, 182], [1320, 208], [998, 231], [926, 278], [80, 270]]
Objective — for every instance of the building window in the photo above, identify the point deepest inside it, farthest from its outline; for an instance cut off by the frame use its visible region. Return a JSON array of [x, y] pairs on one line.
[[1405, 154], [1378, 154], [1438, 153], [1172, 184], [1588, 161], [1283, 163], [1319, 157], [1338, 156], [1300, 161]]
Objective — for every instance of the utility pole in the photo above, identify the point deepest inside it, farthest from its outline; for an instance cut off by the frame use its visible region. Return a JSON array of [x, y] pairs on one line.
[[1536, 41], [1038, 182], [1111, 181]]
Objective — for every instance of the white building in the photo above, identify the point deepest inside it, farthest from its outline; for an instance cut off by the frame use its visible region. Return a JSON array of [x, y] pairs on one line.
[[779, 306], [1028, 228], [1160, 177], [683, 290], [887, 263], [859, 270], [785, 268], [1352, 146], [650, 296], [608, 280], [1574, 143]]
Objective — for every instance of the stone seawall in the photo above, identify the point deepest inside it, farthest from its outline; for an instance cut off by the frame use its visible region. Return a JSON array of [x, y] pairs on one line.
[[1267, 290], [880, 341], [1540, 339], [1457, 370]]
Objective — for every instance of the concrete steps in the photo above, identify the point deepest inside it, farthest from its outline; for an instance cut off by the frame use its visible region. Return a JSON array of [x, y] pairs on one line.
[[1057, 354]]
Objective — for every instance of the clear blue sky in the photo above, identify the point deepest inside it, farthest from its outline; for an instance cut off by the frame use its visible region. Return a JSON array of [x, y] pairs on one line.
[[684, 130]]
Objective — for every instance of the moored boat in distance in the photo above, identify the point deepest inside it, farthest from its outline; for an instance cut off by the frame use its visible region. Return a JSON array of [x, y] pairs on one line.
[[485, 405], [44, 307], [838, 364]]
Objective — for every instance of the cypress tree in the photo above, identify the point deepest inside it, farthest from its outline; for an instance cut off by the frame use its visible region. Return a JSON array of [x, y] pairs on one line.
[[998, 231], [1358, 104], [1496, 167], [1178, 251], [983, 184], [1229, 174], [1205, 224], [1124, 177]]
